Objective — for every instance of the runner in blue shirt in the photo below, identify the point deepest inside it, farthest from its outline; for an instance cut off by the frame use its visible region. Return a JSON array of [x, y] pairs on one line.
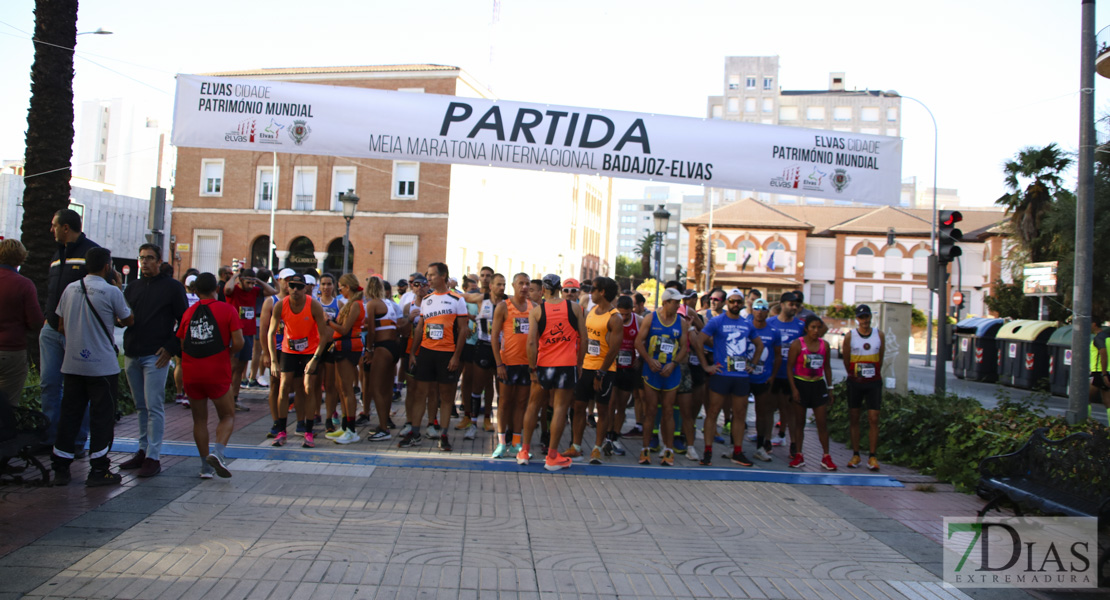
[[790, 328], [761, 377]]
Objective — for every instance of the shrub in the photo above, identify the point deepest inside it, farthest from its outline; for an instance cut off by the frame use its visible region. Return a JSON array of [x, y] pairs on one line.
[[839, 310], [917, 318], [125, 401]]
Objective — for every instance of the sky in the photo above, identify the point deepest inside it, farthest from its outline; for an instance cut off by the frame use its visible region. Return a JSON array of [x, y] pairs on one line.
[[997, 75]]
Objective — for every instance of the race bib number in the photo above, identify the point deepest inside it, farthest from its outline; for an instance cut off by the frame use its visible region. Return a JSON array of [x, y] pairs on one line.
[[866, 371], [435, 331], [815, 361], [624, 358], [331, 312], [666, 347], [520, 325], [298, 345], [694, 360], [737, 364], [593, 347], [758, 369], [786, 351], [246, 312]]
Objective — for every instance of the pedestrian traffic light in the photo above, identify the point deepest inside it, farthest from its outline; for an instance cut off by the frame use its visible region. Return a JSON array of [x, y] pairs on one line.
[[948, 236]]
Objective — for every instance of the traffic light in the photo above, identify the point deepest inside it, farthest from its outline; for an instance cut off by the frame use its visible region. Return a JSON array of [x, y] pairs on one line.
[[948, 236]]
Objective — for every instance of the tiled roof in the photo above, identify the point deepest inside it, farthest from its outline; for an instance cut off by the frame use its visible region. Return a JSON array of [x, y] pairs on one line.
[[336, 70], [750, 212], [833, 93], [882, 219]]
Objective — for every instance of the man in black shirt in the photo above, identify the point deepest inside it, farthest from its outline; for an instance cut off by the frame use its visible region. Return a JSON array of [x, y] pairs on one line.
[[157, 300]]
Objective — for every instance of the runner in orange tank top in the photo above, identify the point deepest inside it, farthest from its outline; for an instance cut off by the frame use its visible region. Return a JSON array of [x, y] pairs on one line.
[[304, 326], [510, 355], [556, 347], [604, 331]]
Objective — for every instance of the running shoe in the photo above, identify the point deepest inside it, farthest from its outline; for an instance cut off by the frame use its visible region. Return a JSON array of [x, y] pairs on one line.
[[455, 411], [827, 463], [691, 453], [706, 460], [718, 439], [207, 472], [555, 462], [217, 465], [464, 423], [522, 457], [607, 447], [645, 457], [328, 427], [487, 425], [309, 440], [331, 435], [279, 440], [763, 455], [362, 419], [595, 456], [854, 462], [471, 432], [572, 453], [798, 461], [728, 427], [739, 459], [444, 443], [516, 449], [619, 449], [273, 432], [348, 437], [300, 428], [778, 441], [410, 440], [591, 420], [185, 404], [102, 478], [667, 458], [179, 398], [407, 429], [872, 463], [654, 444], [679, 445], [240, 408], [635, 432], [751, 437], [381, 435], [499, 451], [433, 432]]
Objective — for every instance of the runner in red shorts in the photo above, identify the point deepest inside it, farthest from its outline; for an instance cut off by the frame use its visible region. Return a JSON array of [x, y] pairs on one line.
[[208, 330]]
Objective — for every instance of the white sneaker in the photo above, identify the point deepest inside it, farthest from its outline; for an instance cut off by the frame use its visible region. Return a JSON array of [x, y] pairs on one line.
[[407, 429], [778, 441], [470, 432], [348, 437], [692, 454], [751, 437], [432, 432], [761, 454]]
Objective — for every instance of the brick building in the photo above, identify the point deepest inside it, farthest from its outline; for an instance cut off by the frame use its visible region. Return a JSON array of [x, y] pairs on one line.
[[409, 213]]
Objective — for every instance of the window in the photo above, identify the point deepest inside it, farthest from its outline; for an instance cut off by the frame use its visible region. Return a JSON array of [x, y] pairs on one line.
[[921, 299], [842, 113], [750, 82], [870, 130], [207, 244], [817, 294], [920, 261], [628, 231], [776, 246], [264, 186], [892, 293], [671, 235], [718, 111], [815, 113], [788, 113], [628, 207], [628, 219], [768, 105], [733, 105], [342, 180], [892, 131], [733, 82], [864, 293], [212, 178], [730, 257], [627, 243], [892, 114], [865, 260], [304, 188], [400, 256], [892, 260], [869, 114], [749, 104], [649, 207], [405, 177], [768, 83]]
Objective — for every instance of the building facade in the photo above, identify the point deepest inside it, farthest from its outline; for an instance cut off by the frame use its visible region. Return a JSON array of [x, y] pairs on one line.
[[634, 220], [409, 213], [842, 252], [118, 145]]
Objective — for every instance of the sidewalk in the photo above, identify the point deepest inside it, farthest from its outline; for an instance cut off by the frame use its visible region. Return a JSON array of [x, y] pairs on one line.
[[374, 521]]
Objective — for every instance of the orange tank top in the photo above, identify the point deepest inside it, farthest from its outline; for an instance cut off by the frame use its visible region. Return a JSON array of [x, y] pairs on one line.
[[301, 334], [352, 342], [558, 343], [514, 334], [597, 344]]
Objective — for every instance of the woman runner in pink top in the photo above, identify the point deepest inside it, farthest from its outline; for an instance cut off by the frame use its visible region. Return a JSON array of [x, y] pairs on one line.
[[810, 377]]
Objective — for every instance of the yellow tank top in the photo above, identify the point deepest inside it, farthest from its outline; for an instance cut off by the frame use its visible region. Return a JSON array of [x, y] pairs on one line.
[[597, 342]]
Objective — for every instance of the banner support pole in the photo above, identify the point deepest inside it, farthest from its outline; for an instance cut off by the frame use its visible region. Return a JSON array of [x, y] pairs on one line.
[[273, 213]]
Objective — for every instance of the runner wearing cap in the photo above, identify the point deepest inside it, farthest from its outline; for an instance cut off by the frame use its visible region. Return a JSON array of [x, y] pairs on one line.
[[191, 298], [304, 330], [810, 381], [864, 364], [769, 362], [604, 331], [241, 292], [509, 347], [556, 329], [662, 343], [571, 289], [737, 351], [273, 361], [790, 328]]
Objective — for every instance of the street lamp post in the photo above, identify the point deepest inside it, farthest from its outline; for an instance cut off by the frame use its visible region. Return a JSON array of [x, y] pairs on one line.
[[350, 203], [661, 217], [932, 240]]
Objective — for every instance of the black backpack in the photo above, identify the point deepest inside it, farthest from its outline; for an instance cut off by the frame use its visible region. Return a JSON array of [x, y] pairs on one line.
[[203, 338]]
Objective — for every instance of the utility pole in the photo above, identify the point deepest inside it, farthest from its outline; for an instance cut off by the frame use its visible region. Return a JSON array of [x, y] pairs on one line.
[[1084, 224]]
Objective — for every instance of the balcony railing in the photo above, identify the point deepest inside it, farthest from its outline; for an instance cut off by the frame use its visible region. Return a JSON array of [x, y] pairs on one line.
[[304, 202], [1102, 52]]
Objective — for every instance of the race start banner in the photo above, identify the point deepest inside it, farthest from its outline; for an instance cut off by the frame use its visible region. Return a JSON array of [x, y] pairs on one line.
[[272, 116]]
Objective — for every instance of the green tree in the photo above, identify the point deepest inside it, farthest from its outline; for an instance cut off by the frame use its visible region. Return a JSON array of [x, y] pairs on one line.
[[646, 249], [626, 266], [1034, 180], [1009, 301]]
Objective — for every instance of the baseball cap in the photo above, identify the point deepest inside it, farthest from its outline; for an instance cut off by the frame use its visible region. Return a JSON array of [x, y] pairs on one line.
[[189, 280], [571, 283], [310, 280], [295, 278], [552, 282], [690, 293], [420, 279], [863, 310], [671, 294], [760, 304], [734, 292], [285, 273], [789, 297], [402, 283]]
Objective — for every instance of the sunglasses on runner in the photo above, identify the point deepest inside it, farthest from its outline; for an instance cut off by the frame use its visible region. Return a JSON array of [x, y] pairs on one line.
[[570, 290], [296, 286]]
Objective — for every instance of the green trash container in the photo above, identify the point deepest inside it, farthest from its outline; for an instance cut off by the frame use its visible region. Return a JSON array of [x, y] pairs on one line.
[[1059, 360]]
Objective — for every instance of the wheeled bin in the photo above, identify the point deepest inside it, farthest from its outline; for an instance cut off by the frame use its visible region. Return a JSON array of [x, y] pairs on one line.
[[1023, 352], [976, 354], [1059, 360]]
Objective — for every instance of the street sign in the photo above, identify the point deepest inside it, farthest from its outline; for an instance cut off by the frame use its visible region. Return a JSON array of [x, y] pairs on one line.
[[1040, 278], [958, 298], [126, 270]]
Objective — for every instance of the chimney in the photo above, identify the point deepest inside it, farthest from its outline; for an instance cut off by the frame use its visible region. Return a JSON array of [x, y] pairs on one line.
[[836, 82]]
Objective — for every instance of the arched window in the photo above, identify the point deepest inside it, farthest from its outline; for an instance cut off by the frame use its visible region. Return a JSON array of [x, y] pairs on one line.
[[920, 261], [301, 254], [258, 254], [746, 251], [892, 260], [334, 262], [721, 253], [776, 246], [865, 260]]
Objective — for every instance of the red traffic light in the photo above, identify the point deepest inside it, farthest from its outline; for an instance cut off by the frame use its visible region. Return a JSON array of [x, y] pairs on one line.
[[949, 218]]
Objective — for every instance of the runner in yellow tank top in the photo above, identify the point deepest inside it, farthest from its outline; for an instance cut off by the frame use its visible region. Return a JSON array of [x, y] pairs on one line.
[[604, 333]]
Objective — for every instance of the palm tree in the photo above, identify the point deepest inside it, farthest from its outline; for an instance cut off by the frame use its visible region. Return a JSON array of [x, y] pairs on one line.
[[1033, 179], [646, 247]]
